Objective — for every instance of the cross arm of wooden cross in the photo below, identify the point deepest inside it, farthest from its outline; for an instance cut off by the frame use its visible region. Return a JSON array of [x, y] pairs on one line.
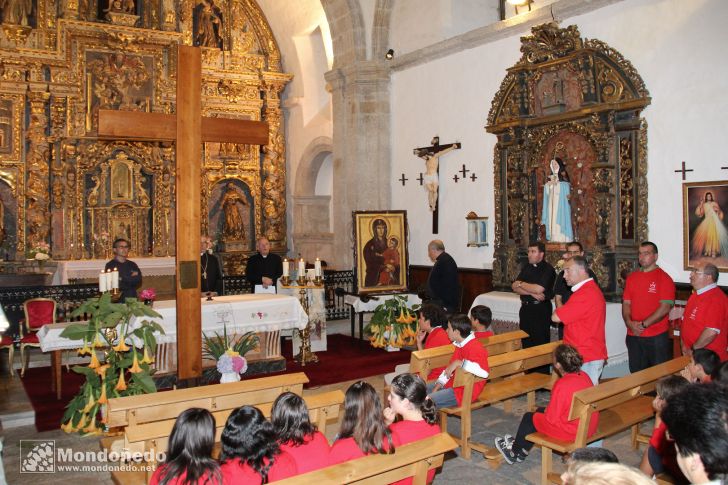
[[140, 126]]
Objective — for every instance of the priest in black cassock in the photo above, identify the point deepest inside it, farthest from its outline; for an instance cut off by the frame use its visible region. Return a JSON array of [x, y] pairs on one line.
[[265, 267], [210, 268]]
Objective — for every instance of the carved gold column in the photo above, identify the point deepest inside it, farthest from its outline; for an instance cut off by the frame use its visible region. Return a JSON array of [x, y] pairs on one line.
[[38, 171]]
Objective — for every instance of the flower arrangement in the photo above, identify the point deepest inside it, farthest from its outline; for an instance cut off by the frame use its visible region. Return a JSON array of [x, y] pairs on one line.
[[228, 351], [148, 294], [559, 265], [41, 251], [126, 369], [393, 324]]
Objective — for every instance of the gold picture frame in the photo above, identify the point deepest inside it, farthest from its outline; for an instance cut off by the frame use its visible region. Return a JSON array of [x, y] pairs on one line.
[[381, 259], [705, 224]]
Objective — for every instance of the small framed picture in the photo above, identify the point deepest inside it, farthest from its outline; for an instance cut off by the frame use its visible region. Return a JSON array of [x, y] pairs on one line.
[[380, 252], [705, 224], [477, 230]]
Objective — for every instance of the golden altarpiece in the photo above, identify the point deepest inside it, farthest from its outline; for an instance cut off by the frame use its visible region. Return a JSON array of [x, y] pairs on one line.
[[576, 101], [63, 61]]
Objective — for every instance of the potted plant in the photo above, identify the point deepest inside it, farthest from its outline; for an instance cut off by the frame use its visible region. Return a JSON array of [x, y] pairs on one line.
[[148, 295], [228, 351], [393, 325], [126, 368]]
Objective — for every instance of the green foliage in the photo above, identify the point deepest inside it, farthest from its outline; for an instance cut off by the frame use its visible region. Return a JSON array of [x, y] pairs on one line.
[[126, 368], [393, 323], [215, 345]]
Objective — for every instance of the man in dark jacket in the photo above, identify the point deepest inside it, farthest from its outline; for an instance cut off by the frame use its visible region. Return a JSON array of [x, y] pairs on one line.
[[443, 286], [265, 267]]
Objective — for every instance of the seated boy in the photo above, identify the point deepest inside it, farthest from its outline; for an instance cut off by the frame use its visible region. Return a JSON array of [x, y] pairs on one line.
[[481, 318], [702, 364], [660, 455], [469, 354]]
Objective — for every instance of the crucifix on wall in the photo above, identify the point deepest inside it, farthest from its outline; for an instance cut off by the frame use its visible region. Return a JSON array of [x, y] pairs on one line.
[[431, 155], [188, 129]]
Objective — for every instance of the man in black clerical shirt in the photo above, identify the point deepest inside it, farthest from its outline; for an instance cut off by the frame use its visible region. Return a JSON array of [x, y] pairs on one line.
[[265, 267], [130, 276], [210, 268], [562, 291], [535, 284], [443, 286]]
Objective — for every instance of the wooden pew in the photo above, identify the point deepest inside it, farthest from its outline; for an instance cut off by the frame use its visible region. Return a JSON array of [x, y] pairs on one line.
[[411, 460], [621, 403], [506, 381]]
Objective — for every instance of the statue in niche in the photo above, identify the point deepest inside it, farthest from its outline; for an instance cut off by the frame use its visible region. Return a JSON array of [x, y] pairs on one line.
[[16, 12], [120, 181], [208, 24], [556, 211], [234, 230], [122, 231], [93, 195]]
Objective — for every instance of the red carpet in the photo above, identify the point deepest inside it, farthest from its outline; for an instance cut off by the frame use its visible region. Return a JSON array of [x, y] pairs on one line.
[[346, 359]]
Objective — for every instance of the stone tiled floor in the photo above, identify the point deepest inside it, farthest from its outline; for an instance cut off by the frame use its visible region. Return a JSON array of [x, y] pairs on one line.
[[487, 423]]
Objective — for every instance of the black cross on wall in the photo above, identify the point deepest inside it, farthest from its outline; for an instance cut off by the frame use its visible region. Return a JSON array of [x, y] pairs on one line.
[[473, 177], [684, 170], [455, 178], [403, 179], [421, 178], [464, 171]]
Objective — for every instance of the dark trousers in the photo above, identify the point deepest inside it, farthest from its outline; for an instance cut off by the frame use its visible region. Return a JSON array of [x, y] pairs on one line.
[[524, 429], [645, 352], [535, 320]]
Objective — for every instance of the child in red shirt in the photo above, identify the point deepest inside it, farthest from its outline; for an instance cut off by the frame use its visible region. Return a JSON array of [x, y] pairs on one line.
[[297, 435], [660, 456], [363, 430], [189, 454], [250, 453], [554, 421], [481, 317], [408, 399], [702, 364]]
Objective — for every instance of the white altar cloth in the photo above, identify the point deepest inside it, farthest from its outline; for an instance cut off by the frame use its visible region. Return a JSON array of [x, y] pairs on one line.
[[505, 307], [371, 305], [239, 313], [90, 268]]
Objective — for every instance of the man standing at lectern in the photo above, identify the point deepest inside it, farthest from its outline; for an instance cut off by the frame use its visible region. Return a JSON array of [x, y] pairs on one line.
[[265, 267], [130, 276]]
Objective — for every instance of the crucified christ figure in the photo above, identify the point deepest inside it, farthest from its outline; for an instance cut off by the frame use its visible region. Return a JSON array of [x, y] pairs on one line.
[[431, 179]]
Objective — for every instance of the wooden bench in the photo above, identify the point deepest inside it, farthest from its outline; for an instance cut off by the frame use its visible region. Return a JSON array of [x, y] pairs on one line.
[[411, 460], [621, 404], [507, 380]]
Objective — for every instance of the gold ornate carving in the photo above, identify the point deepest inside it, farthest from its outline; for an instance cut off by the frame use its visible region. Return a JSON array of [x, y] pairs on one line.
[[624, 268], [512, 268], [37, 158], [548, 42], [626, 187], [642, 232], [637, 84], [597, 265], [611, 85]]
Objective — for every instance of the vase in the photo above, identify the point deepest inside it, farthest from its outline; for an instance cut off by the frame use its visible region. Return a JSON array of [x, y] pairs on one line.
[[229, 377], [148, 302]]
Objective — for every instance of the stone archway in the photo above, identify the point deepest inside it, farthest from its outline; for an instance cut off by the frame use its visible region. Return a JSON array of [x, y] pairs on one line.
[[312, 235]]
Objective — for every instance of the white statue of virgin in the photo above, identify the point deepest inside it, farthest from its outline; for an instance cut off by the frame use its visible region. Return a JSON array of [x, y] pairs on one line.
[[556, 212]]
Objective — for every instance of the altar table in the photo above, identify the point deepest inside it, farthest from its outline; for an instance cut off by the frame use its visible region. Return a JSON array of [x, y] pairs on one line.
[[90, 268], [505, 306], [360, 307]]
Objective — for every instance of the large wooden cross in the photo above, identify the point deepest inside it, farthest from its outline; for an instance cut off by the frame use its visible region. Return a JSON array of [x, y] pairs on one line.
[[188, 129], [432, 155]]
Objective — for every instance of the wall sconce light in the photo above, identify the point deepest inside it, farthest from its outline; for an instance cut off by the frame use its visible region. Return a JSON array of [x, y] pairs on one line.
[[521, 3], [389, 55]]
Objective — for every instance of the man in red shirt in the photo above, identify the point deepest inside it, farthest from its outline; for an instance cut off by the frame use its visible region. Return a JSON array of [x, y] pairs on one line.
[[584, 317], [469, 354], [705, 321], [649, 294]]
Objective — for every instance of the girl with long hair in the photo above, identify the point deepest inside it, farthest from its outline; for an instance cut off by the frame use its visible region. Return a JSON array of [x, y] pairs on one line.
[[554, 421], [363, 430], [296, 434], [189, 455], [419, 419], [250, 453]]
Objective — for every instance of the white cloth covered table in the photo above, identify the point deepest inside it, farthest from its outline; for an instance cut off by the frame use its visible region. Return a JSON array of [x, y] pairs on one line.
[[90, 268], [372, 304], [505, 307]]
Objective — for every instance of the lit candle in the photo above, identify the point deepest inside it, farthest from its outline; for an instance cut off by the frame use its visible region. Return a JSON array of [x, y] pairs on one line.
[[301, 268], [317, 267], [285, 267], [102, 282], [115, 279], [107, 275]]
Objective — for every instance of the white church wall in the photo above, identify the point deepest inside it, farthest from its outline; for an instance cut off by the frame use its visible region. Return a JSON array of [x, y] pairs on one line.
[[676, 46]]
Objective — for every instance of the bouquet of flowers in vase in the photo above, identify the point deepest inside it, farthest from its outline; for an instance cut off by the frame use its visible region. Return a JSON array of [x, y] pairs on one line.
[[41, 251], [228, 351], [393, 324], [148, 295]]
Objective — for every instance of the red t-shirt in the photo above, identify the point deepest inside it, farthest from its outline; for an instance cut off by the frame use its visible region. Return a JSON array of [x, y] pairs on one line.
[[645, 290], [485, 333], [404, 432], [311, 455], [707, 310], [666, 449], [437, 338], [235, 471], [555, 420], [346, 449], [474, 352], [584, 317], [180, 479]]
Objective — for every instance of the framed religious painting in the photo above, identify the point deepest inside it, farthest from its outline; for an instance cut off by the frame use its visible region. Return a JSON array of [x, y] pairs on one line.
[[705, 224], [381, 260]]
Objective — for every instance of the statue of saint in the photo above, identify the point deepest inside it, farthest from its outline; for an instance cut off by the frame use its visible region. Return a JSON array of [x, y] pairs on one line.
[[234, 230], [556, 211], [208, 24], [16, 12]]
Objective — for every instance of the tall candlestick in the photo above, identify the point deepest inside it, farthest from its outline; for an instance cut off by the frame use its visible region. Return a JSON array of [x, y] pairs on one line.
[[317, 267], [102, 282], [301, 269], [115, 279], [285, 267]]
